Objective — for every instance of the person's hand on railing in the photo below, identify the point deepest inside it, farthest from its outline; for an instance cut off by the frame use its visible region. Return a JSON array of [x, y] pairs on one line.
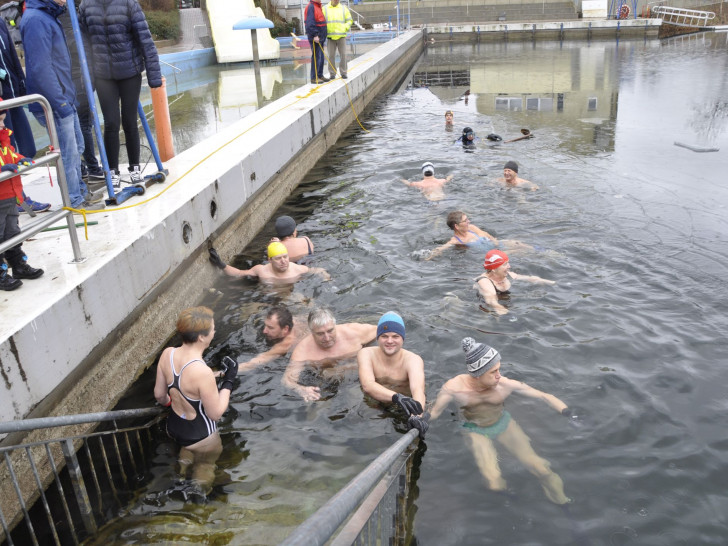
[[420, 423], [25, 162], [216, 260], [9, 168]]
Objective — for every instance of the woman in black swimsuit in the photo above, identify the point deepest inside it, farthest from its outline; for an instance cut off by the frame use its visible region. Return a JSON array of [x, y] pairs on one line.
[[187, 384], [496, 281]]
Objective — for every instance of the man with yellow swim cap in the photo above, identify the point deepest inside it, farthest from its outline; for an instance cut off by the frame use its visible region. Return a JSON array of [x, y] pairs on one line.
[[277, 270]]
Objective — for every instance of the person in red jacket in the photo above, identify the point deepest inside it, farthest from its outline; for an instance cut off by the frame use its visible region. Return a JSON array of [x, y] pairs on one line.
[[316, 32], [11, 194]]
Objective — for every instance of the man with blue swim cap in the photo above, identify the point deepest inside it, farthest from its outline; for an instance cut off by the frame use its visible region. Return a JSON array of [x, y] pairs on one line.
[[480, 394], [389, 373]]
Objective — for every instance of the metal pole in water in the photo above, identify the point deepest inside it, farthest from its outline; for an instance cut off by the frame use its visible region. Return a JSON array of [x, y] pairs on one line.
[[256, 66]]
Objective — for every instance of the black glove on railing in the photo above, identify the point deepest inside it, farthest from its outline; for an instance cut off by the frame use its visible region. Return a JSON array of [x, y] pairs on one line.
[[409, 405], [420, 424], [231, 372], [215, 259]]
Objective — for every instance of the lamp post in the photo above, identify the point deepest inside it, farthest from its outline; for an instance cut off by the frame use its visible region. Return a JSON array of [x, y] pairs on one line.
[[253, 24]]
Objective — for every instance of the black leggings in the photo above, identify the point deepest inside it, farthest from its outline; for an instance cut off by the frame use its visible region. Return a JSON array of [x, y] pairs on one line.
[[110, 92]]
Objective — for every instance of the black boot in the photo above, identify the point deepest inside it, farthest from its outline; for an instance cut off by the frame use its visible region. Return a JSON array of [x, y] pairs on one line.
[[7, 282], [24, 271]]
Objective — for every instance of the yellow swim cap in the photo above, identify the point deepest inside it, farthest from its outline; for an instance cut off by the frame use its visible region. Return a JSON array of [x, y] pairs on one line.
[[276, 249]]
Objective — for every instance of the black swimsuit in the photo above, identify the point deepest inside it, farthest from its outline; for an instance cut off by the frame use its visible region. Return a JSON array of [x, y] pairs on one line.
[[182, 430], [498, 292]]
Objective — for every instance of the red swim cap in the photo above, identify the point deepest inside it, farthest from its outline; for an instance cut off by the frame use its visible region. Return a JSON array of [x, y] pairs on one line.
[[494, 259]]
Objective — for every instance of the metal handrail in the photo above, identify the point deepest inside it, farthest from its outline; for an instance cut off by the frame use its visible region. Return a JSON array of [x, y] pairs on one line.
[[66, 420], [321, 526], [682, 17], [110, 461], [53, 157]]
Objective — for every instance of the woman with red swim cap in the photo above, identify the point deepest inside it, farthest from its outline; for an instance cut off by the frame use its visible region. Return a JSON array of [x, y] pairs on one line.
[[496, 281]]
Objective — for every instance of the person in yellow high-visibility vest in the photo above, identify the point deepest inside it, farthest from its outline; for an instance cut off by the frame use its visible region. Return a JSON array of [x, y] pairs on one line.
[[338, 23]]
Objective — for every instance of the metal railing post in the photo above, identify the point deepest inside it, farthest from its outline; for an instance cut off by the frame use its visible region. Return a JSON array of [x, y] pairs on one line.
[[79, 486]]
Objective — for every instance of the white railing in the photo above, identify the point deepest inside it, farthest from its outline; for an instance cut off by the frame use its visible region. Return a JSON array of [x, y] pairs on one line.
[[682, 17]]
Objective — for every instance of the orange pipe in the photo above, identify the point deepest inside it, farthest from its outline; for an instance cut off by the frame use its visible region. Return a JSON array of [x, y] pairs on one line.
[[162, 124]]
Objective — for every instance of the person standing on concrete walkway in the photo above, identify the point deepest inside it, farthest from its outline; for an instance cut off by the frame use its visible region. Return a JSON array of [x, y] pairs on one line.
[[315, 22], [122, 48], [338, 23], [48, 73]]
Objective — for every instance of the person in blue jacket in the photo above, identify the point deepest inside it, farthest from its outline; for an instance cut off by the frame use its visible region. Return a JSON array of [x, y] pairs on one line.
[[316, 32], [48, 73], [121, 49]]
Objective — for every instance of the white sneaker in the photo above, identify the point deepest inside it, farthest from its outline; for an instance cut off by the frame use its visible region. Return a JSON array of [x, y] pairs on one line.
[[135, 175], [115, 179]]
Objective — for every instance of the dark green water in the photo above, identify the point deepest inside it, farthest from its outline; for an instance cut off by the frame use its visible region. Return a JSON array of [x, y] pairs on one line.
[[631, 336]]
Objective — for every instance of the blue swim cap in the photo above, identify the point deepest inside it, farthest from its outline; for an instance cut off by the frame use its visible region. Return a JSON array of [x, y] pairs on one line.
[[390, 322]]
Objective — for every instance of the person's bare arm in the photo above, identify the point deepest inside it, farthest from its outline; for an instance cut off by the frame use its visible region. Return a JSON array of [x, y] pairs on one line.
[[482, 233], [406, 182], [531, 278], [448, 178], [368, 382], [320, 271], [416, 376], [279, 349], [444, 397], [487, 292], [160, 383], [235, 272], [290, 380], [439, 250], [526, 390], [214, 401]]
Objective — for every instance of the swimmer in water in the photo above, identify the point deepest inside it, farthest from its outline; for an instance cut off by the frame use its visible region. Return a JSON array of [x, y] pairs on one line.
[[468, 138], [496, 281], [448, 119], [389, 373], [325, 346], [282, 331], [287, 231], [466, 234], [511, 179], [278, 270], [430, 186], [481, 394]]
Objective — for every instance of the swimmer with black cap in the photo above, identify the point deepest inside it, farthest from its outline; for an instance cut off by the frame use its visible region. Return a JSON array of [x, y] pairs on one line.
[[496, 281], [480, 394], [468, 137], [278, 270], [511, 178], [389, 373], [430, 186], [287, 233]]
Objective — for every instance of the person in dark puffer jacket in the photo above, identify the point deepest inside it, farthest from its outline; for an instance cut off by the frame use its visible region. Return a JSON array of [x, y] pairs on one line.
[[121, 49]]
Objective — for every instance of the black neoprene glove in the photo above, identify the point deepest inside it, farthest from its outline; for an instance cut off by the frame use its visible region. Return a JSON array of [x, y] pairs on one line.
[[420, 424], [215, 259], [567, 412], [231, 372], [409, 405]]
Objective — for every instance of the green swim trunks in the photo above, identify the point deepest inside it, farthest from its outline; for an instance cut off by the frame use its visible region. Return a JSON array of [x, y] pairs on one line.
[[494, 430]]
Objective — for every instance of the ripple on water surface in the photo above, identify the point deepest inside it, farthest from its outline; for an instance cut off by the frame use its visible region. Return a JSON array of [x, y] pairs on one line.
[[632, 229]]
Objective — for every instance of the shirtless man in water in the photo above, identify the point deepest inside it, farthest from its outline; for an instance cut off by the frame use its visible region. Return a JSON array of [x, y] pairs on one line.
[[278, 270], [282, 331], [327, 343], [511, 178], [389, 373], [480, 394], [430, 186]]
